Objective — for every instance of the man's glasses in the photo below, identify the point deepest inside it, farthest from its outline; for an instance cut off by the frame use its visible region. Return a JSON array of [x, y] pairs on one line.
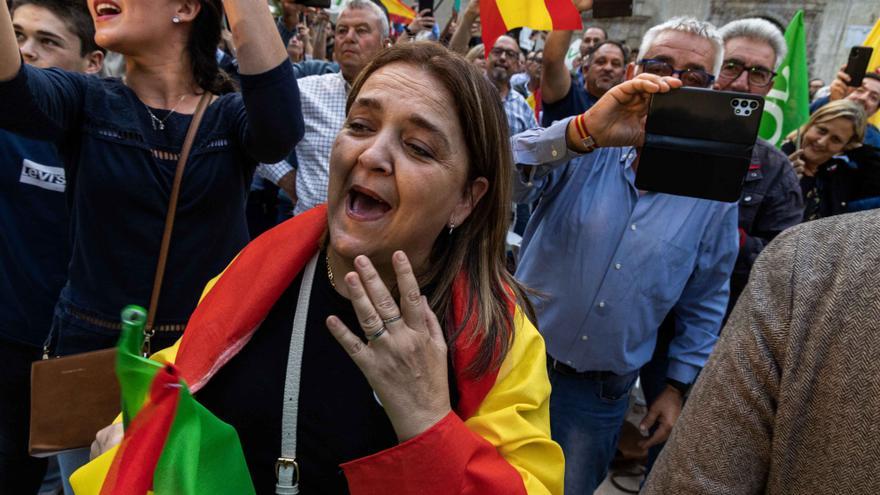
[[759, 77], [689, 77], [498, 52]]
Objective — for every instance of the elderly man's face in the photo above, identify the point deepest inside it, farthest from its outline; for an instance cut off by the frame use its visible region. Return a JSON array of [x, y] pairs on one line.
[[358, 39], [748, 66], [592, 37], [681, 51]]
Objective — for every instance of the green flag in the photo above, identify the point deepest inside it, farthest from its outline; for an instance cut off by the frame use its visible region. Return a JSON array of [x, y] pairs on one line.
[[172, 444], [787, 106]]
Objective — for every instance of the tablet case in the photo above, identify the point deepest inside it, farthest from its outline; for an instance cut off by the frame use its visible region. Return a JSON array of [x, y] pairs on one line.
[[698, 143]]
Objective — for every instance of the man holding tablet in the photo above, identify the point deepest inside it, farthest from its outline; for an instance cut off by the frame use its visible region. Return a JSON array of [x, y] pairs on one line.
[[631, 257]]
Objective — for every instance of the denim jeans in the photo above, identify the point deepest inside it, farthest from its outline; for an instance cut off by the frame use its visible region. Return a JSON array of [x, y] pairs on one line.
[[586, 414]]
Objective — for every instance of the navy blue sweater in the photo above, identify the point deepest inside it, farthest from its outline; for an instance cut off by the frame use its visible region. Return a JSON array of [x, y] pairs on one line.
[[119, 175], [34, 242]]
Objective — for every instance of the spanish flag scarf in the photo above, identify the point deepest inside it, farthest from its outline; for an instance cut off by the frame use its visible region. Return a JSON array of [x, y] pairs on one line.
[[172, 444]]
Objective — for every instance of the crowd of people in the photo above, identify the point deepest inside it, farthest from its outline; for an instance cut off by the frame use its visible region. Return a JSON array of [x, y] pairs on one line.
[[452, 234]]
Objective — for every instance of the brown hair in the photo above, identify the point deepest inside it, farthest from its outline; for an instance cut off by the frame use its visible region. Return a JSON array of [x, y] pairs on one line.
[[202, 48], [478, 245]]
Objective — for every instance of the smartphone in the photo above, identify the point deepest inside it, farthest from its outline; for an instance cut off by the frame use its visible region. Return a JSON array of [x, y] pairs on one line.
[[698, 143], [857, 65], [426, 5], [321, 4], [612, 8]]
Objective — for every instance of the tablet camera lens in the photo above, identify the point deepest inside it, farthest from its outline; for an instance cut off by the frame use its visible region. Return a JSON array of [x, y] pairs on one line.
[[734, 103], [743, 103], [753, 105]]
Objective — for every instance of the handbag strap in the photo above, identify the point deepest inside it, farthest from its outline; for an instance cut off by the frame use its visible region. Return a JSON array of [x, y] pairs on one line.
[[149, 328], [286, 469]]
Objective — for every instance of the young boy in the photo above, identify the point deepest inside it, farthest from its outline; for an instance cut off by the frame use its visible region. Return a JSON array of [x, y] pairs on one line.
[[34, 244]]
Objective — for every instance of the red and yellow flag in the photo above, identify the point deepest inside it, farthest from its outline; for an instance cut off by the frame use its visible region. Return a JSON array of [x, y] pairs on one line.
[[172, 444], [399, 12], [500, 16]]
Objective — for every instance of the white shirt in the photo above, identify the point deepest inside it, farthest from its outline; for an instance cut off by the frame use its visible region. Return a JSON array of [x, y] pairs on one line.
[[323, 106]]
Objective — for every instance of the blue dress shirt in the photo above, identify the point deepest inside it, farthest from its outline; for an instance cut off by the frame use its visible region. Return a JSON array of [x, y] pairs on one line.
[[610, 263]]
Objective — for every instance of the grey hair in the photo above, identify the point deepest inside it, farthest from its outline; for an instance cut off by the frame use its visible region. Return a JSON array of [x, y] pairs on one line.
[[760, 30], [688, 25], [384, 26]]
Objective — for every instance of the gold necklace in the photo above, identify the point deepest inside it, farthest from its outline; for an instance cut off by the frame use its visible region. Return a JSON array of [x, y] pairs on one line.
[[329, 270]]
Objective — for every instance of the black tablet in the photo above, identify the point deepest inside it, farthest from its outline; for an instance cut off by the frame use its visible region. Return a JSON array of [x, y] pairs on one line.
[[698, 143]]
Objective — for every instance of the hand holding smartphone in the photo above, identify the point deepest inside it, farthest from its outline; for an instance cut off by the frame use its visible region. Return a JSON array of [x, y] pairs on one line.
[[857, 65], [698, 143], [426, 5]]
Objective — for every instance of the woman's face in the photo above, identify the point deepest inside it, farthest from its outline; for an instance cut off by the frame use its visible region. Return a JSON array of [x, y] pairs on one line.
[[295, 49], [480, 62], [398, 168], [126, 25], [824, 140]]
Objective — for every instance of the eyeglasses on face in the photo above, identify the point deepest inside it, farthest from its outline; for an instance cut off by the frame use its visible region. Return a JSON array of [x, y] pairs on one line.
[[498, 51], [759, 77], [690, 77]]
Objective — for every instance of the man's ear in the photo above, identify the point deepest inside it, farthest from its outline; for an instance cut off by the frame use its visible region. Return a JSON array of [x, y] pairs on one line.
[[94, 62]]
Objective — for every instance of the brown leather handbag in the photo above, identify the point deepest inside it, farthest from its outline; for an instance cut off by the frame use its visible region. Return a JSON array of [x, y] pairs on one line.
[[73, 397]]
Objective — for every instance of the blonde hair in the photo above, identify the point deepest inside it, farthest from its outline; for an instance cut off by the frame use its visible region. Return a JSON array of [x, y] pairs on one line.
[[478, 51], [837, 109]]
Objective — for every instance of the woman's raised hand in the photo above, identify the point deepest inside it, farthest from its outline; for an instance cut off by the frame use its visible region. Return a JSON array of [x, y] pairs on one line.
[[405, 358], [797, 161], [423, 21]]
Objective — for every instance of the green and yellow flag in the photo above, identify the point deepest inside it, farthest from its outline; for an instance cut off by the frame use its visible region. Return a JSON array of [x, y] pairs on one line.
[[873, 40], [787, 106], [172, 444]]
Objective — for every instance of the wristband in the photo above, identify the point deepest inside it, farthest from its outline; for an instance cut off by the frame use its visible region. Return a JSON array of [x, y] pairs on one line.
[[580, 125]]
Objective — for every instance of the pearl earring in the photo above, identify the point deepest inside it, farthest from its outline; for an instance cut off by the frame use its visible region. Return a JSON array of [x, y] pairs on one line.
[[451, 227], [175, 20]]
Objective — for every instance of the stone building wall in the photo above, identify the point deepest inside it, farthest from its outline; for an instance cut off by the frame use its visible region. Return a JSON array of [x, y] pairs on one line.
[[832, 25]]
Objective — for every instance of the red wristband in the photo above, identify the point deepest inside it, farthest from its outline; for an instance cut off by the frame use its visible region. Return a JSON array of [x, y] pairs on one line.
[[580, 125]]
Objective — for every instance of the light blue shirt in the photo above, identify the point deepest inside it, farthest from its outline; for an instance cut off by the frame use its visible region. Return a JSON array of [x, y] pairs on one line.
[[611, 263]]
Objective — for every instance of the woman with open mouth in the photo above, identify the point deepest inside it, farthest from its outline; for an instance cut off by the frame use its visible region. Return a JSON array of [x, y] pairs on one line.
[[377, 344], [121, 140]]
